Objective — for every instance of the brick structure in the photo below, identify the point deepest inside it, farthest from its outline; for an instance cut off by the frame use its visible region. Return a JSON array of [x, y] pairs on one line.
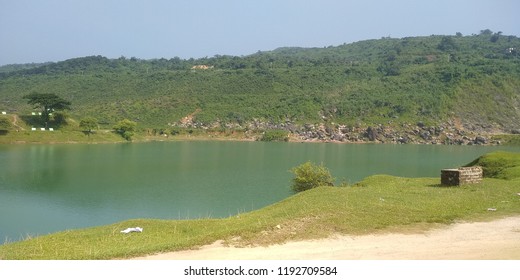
[[461, 176]]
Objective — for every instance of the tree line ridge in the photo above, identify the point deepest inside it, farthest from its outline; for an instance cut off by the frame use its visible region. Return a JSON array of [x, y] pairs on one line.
[[466, 83]]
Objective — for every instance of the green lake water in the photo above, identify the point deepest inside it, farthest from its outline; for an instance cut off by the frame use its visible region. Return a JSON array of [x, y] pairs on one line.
[[49, 188]]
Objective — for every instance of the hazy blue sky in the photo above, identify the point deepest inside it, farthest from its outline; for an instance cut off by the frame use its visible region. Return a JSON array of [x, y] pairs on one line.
[[54, 30]]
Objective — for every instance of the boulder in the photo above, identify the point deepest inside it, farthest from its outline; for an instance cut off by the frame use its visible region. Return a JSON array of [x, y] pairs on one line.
[[403, 140], [338, 137], [371, 133], [479, 140]]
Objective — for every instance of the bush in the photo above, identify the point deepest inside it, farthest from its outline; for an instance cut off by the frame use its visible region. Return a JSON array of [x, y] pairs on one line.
[[275, 135], [5, 125], [309, 175], [88, 124], [126, 129], [59, 118]]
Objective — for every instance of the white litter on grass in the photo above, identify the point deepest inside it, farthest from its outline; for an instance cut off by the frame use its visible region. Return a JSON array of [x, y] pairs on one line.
[[492, 209], [132, 229]]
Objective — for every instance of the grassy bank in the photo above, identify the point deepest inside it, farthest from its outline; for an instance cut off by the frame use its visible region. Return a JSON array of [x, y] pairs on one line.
[[501, 165], [58, 136], [21, 132], [379, 203], [108, 136]]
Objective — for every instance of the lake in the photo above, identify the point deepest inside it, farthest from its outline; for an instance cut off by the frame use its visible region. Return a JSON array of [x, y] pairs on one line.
[[49, 188]]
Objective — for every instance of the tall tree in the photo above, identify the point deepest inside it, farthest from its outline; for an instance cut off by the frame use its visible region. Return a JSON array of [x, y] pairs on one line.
[[48, 103]]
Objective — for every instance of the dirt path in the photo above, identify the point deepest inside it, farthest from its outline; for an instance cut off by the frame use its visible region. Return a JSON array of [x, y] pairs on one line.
[[499, 239], [15, 122]]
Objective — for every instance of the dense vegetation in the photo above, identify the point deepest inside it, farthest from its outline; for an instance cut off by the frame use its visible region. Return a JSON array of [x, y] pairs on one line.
[[376, 204], [472, 79]]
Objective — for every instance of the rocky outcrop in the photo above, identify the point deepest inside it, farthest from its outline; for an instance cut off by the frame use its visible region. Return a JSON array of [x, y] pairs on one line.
[[447, 133], [399, 134]]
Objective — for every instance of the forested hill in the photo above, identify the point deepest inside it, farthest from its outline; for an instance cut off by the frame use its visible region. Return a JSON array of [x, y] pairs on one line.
[[469, 81]]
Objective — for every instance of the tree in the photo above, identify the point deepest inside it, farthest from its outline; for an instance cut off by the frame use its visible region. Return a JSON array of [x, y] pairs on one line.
[[59, 118], [447, 44], [88, 124], [125, 128], [494, 38], [486, 32], [309, 175], [48, 102], [5, 125]]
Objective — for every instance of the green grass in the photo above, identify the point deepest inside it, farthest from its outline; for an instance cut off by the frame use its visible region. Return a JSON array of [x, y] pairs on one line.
[[59, 136], [501, 165], [508, 139], [377, 204], [72, 133]]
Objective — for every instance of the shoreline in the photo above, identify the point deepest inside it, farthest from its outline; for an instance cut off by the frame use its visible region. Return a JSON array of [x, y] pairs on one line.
[[451, 132], [210, 137]]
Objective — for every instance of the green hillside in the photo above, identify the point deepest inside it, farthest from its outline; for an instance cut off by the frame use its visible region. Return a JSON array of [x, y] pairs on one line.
[[467, 82]]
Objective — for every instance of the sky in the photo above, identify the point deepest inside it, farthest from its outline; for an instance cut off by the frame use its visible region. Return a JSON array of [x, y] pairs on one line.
[[55, 30]]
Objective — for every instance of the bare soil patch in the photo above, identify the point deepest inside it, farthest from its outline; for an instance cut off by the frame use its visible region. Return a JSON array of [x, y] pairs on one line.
[[499, 239]]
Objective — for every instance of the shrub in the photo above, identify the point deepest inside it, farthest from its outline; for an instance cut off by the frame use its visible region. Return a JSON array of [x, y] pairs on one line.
[[5, 125], [88, 124], [60, 118], [275, 135], [309, 175], [126, 129]]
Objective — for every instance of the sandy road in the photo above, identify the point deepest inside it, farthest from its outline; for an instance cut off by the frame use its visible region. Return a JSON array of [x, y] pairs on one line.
[[499, 239]]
